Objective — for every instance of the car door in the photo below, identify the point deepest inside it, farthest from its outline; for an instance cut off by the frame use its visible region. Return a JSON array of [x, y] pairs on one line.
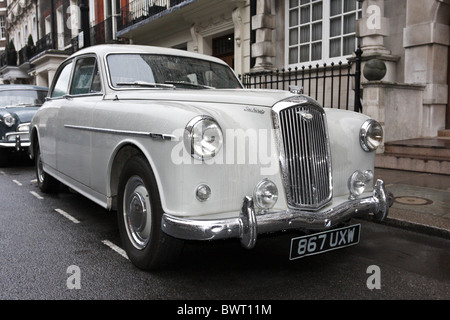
[[48, 130], [74, 154]]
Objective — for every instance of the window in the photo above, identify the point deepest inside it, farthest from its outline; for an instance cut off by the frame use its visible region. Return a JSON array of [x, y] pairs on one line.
[[2, 27], [62, 82], [86, 78], [321, 30]]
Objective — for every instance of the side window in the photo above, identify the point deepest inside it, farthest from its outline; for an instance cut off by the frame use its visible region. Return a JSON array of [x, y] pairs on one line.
[[62, 83], [86, 78]]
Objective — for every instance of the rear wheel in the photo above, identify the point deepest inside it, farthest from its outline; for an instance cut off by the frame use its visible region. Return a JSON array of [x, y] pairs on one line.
[[46, 182], [139, 217]]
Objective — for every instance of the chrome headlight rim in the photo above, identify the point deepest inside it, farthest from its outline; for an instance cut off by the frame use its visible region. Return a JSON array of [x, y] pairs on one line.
[[194, 146], [9, 120], [367, 135]]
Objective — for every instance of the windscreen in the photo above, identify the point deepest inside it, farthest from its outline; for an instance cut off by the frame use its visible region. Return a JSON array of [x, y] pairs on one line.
[[181, 72], [22, 97]]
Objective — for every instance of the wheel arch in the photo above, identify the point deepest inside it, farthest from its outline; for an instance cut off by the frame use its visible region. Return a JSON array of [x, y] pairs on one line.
[[123, 154], [34, 139]]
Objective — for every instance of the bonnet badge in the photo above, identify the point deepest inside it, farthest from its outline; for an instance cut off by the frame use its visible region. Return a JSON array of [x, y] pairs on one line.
[[305, 115]]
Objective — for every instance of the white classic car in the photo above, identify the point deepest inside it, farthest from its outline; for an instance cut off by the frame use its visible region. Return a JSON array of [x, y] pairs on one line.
[[171, 141]]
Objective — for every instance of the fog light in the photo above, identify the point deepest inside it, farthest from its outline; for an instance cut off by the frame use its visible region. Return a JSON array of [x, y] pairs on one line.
[[203, 192], [266, 194], [358, 181]]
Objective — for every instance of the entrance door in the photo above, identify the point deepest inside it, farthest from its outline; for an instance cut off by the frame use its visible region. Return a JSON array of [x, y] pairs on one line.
[[223, 48]]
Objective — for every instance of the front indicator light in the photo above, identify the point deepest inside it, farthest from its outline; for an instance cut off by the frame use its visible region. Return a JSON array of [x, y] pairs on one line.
[[203, 192]]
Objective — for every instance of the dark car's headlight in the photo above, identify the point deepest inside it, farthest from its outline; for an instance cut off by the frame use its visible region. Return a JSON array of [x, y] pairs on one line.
[[203, 137], [370, 135], [9, 120]]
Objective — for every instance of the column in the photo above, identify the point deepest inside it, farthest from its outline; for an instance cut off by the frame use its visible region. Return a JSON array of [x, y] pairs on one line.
[[264, 23], [371, 30]]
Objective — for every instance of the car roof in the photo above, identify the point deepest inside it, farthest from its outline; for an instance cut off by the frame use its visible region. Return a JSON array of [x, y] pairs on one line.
[[7, 87], [104, 49]]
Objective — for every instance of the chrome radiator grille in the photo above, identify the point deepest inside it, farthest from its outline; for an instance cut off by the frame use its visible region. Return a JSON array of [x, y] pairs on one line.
[[304, 155]]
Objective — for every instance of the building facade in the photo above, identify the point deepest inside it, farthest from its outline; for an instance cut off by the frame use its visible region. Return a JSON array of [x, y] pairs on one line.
[[20, 26], [407, 40]]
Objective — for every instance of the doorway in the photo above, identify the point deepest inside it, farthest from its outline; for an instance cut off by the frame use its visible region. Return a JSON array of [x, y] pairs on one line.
[[223, 48]]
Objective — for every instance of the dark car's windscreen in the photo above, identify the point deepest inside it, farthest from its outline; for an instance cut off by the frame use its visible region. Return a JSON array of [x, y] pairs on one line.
[[126, 69], [23, 97]]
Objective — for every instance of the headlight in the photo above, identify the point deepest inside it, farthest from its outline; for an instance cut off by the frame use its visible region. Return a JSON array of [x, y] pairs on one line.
[[266, 194], [370, 135], [203, 137], [9, 120]]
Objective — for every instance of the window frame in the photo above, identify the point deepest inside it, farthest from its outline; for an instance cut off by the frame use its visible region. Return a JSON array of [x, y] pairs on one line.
[[57, 76], [74, 69], [74, 61], [3, 31], [326, 33]]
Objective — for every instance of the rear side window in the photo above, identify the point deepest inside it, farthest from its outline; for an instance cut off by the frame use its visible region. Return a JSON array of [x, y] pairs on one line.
[[62, 82]]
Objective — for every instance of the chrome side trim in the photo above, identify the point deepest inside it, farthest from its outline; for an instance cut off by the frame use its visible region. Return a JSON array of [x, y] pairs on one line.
[[248, 225], [159, 136]]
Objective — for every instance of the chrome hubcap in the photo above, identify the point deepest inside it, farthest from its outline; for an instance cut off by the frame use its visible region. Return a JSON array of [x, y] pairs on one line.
[[137, 212]]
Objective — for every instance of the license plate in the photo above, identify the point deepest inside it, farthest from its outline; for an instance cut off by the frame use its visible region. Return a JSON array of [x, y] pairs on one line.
[[324, 241]]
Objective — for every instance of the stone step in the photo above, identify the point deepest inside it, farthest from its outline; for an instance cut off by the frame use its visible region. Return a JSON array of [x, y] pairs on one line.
[[437, 147], [430, 155]]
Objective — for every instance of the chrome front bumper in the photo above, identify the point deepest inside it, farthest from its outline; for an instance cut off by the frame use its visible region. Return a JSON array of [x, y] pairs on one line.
[[16, 140], [248, 225]]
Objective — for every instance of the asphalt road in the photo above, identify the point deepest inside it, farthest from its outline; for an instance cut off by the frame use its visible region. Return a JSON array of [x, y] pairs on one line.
[[59, 247]]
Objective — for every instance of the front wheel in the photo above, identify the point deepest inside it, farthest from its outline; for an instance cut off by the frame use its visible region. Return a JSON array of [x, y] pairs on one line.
[[46, 182], [139, 217]]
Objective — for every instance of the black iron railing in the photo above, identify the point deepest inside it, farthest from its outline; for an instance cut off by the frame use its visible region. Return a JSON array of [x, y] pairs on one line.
[[26, 53], [47, 42], [102, 32], [331, 85], [139, 10]]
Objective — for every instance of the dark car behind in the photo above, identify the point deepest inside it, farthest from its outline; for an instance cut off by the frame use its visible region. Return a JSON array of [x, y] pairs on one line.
[[18, 104]]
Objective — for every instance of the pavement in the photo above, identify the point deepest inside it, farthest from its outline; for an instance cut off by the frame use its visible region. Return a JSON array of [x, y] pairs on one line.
[[421, 200]]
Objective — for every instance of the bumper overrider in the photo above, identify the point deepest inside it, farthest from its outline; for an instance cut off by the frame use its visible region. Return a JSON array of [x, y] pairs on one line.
[[248, 225]]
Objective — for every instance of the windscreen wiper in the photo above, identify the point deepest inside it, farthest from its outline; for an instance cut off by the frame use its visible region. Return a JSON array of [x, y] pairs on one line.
[[189, 84], [146, 84]]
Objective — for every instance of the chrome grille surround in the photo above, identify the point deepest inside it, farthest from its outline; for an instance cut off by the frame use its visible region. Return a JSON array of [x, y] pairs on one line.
[[302, 137]]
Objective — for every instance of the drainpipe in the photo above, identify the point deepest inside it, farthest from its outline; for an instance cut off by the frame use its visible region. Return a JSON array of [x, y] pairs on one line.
[[37, 21], [252, 32], [84, 8], [54, 35]]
